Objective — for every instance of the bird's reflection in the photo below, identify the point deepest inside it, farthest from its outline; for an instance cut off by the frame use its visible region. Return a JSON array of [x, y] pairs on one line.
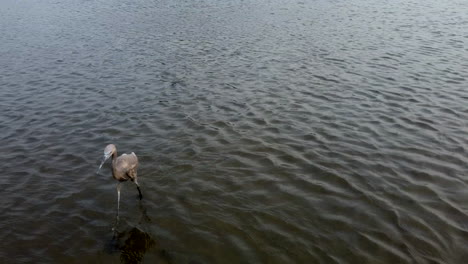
[[132, 241], [133, 244]]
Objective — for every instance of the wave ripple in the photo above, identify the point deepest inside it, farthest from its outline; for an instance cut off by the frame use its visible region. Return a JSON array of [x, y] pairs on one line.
[[267, 131]]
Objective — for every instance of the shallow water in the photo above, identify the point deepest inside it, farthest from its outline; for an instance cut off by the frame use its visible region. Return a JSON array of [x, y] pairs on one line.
[[268, 131]]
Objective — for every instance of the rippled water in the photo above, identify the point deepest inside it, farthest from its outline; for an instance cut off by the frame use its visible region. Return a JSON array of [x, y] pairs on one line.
[[268, 131]]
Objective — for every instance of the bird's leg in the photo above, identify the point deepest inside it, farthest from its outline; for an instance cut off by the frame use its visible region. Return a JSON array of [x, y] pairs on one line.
[[138, 187], [118, 199]]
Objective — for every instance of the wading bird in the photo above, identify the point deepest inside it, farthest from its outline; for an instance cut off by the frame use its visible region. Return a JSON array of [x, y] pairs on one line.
[[124, 168]]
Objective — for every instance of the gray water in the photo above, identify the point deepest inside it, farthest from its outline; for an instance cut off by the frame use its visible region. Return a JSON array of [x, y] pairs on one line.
[[268, 131]]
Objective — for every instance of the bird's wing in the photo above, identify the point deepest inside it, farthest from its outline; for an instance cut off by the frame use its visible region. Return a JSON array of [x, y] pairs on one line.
[[127, 164]]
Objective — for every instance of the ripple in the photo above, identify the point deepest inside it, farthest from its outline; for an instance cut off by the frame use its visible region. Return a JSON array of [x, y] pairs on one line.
[[266, 133]]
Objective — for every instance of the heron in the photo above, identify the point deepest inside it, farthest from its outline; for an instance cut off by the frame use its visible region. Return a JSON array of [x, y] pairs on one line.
[[124, 168]]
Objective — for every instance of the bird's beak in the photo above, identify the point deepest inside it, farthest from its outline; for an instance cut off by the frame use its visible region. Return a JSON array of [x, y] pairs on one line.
[[106, 156]]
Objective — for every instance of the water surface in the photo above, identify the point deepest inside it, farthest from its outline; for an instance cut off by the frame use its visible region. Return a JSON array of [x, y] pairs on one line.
[[268, 131]]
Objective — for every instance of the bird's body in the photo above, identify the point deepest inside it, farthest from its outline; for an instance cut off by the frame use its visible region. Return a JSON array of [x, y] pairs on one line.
[[124, 168]]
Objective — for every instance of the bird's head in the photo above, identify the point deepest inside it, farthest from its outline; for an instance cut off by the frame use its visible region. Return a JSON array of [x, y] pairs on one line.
[[108, 152]]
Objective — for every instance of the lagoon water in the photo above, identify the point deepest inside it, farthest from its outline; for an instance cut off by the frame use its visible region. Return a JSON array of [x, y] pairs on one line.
[[268, 131]]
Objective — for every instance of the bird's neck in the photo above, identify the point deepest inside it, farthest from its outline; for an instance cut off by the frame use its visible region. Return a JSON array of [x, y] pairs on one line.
[[114, 158], [114, 155]]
